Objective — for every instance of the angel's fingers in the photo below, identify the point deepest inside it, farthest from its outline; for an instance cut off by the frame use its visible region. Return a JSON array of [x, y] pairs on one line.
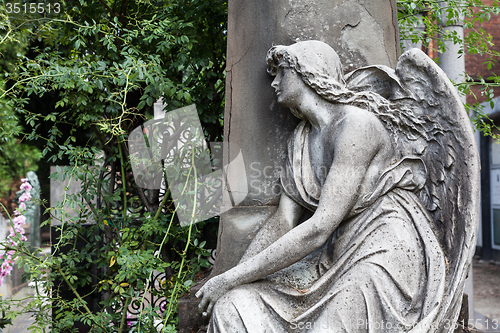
[[209, 309], [199, 293], [203, 303]]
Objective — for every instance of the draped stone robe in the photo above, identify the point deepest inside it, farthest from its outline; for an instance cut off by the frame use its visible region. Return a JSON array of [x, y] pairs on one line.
[[373, 274]]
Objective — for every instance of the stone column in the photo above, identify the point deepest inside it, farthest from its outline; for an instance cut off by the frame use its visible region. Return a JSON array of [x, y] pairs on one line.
[[451, 61], [408, 44], [363, 32]]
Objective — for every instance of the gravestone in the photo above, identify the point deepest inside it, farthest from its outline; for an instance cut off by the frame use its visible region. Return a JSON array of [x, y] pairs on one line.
[[361, 32], [33, 212], [59, 189]]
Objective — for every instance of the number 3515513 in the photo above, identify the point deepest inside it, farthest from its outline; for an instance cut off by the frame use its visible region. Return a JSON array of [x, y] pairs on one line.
[[32, 7]]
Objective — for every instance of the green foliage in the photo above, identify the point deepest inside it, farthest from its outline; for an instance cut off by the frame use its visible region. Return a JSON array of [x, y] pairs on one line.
[[422, 21], [109, 67], [16, 160], [16, 157]]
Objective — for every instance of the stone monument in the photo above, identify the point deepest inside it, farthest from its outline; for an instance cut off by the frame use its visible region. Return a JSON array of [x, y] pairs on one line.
[[376, 222], [362, 32]]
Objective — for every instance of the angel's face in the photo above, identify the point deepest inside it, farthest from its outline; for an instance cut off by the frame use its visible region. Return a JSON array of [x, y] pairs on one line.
[[288, 86]]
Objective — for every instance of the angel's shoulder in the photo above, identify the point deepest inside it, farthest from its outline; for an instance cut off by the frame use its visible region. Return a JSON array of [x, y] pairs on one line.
[[360, 122]]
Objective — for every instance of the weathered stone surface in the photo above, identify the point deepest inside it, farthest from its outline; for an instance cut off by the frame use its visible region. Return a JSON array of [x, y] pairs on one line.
[[189, 321], [386, 162], [362, 32], [242, 224]]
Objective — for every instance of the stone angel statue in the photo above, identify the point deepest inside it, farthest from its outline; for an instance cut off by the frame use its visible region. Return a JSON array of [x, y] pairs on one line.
[[376, 225]]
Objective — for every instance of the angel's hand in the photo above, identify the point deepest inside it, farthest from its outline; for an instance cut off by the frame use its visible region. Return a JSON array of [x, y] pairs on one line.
[[213, 289]]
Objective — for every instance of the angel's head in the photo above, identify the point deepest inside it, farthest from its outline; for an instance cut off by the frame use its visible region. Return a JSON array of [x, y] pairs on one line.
[[315, 62]]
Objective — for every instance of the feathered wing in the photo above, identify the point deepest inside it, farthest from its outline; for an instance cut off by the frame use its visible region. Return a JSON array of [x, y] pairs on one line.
[[440, 133], [452, 160]]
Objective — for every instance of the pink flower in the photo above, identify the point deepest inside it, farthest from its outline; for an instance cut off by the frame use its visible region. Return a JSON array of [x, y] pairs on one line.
[[26, 186], [6, 267], [25, 197], [129, 323], [20, 210], [21, 219]]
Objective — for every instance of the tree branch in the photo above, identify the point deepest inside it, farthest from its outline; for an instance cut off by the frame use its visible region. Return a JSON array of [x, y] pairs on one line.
[[101, 140]]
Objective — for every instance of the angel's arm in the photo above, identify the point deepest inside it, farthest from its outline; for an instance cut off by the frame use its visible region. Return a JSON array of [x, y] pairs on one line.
[[355, 146], [282, 221]]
